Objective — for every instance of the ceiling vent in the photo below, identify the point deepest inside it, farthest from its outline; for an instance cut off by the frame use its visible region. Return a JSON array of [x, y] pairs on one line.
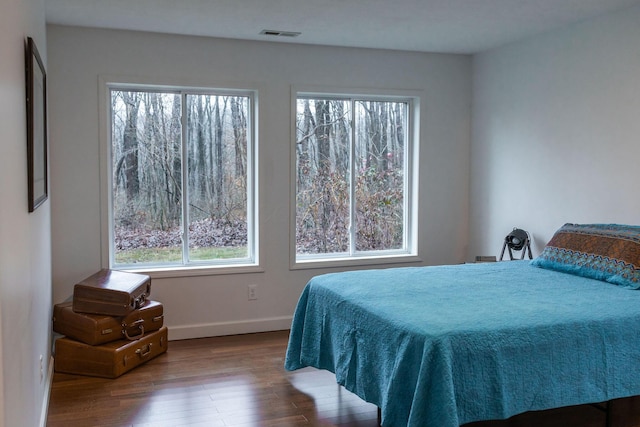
[[277, 33]]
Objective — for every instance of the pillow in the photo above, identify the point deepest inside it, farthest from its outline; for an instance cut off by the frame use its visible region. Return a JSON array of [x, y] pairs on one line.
[[609, 252]]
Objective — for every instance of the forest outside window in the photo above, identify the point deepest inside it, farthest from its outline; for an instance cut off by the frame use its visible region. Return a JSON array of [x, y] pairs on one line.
[[353, 177], [181, 190]]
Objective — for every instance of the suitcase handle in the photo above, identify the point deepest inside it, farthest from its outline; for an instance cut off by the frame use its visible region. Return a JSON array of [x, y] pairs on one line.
[[143, 352], [135, 337]]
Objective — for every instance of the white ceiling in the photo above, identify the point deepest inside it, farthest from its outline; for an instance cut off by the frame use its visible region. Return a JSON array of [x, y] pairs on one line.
[[451, 26]]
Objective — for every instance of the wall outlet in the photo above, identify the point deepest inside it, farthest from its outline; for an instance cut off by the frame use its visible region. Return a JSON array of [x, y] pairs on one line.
[[253, 292]]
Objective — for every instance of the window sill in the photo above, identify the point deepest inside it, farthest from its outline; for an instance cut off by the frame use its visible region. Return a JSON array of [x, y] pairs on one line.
[[160, 273], [354, 262]]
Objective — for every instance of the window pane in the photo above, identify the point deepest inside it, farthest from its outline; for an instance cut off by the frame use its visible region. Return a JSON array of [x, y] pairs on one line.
[[350, 170], [380, 163], [217, 165], [323, 138], [146, 186], [152, 179]]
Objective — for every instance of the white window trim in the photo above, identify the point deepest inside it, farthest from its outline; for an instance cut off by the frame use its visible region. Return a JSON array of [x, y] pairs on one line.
[[413, 97], [251, 265]]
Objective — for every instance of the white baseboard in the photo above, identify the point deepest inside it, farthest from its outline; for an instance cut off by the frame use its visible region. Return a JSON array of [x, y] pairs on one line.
[[47, 394], [229, 328]]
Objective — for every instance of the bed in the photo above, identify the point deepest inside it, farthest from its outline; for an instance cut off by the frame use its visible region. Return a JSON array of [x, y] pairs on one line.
[[442, 346]]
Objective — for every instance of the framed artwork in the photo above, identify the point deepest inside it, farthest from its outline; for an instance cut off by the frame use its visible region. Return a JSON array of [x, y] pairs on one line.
[[37, 172]]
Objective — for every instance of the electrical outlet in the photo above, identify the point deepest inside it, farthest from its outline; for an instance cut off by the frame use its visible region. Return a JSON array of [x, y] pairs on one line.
[[253, 292]]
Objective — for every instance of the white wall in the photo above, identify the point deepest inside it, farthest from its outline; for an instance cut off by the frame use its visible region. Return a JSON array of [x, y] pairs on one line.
[[25, 240], [209, 305], [556, 132]]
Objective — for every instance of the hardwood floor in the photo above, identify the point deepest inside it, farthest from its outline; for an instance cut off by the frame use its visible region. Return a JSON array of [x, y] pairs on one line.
[[222, 381], [240, 381]]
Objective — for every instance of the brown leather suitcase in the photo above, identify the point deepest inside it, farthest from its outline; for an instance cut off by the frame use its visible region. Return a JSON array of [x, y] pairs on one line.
[[108, 360], [111, 292], [95, 329]]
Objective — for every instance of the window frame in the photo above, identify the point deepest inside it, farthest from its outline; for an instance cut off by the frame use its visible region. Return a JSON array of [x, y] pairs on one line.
[[365, 258], [251, 263]]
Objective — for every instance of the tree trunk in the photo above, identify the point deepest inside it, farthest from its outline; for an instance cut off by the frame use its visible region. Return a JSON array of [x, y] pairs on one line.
[[239, 123], [322, 133], [219, 160], [174, 172], [130, 145]]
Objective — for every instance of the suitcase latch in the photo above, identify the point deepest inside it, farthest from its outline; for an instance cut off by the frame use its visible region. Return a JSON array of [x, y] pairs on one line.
[[139, 301], [144, 351]]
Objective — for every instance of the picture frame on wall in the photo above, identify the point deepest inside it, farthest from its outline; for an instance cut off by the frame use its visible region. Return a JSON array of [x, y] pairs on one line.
[[37, 171]]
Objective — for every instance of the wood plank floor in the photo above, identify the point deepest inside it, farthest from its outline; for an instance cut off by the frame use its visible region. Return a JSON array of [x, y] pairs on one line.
[[240, 381]]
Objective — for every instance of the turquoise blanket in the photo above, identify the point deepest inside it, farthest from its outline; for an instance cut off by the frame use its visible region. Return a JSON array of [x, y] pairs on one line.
[[443, 346]]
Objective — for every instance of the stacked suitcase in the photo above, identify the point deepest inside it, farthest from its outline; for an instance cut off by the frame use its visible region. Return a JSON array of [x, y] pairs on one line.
[[110, 327]]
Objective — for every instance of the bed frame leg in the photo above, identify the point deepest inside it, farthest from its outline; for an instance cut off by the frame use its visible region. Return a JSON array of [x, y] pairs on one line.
[[380, 417], [608, 413]]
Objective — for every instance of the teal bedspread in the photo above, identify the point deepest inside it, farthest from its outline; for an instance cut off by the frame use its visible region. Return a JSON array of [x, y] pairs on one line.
[[446, 345]]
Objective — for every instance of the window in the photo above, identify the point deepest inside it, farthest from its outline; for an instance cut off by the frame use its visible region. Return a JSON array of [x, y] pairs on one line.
[[181, 191], [352, 169]]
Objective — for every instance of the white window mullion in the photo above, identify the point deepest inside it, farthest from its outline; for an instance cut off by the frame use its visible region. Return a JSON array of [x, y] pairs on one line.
[[408, 174], [110, 216], [251, 183], [352, 182], [185, 182]]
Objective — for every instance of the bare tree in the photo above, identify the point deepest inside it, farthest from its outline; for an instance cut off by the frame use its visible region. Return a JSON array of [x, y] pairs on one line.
[[130, 145], [239, 123]]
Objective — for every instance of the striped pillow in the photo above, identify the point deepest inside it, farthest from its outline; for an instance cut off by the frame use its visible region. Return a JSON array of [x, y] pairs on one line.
[[609, 252]]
